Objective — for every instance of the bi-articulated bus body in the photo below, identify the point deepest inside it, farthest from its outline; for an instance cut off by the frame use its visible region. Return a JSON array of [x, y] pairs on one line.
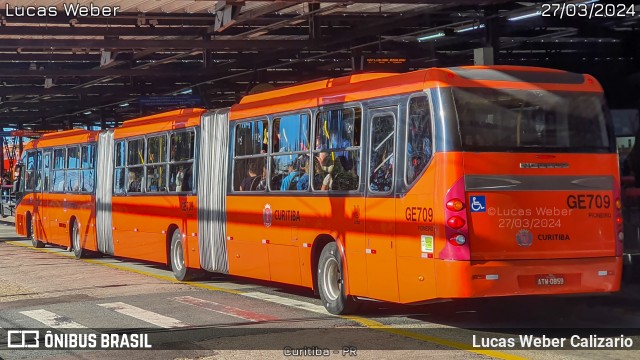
[[435, 184]]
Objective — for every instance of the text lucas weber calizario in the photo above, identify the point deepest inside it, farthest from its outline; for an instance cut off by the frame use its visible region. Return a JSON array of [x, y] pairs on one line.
[[70, 10]]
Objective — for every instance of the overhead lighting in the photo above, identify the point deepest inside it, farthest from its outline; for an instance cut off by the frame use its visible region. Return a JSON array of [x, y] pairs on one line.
[[469, 28], [431, 36], [525, 16], [87, 112], [590, 1], [185, 92], [124, 105]]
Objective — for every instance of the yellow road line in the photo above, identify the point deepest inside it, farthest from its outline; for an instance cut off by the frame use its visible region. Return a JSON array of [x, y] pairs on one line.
[[372, 324]]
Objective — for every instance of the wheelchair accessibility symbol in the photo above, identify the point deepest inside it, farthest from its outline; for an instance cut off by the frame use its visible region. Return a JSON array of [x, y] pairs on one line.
[[478, 204]]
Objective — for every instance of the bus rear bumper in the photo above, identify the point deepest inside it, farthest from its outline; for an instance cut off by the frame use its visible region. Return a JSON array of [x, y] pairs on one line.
[[464, 279]]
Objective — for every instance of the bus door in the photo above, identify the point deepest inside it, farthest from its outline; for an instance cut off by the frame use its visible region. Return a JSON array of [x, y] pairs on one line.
[[380, 244], [36, 186], [43, 220]]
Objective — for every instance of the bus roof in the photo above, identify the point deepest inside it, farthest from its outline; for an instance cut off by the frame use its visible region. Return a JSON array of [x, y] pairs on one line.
[[61, 138], [170, 120], [373, 85]]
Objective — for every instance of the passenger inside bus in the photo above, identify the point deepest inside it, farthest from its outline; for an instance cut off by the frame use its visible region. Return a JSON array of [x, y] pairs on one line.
[[252, 180], [303, 181], [262, 185], [134, 182], [179, 178], [291, 180]]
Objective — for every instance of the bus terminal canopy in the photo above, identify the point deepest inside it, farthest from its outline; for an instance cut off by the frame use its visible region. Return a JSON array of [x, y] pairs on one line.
[[97, 63]]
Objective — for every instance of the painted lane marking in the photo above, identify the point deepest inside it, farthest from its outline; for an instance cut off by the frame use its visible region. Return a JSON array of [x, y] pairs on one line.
[[224, 309], [145, 315], [52, 320], [289, 302]]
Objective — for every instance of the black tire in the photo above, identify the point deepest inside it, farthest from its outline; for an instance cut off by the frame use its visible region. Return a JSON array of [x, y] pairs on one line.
[[331, 282], [32, 234], [176, 258], [76, 245]]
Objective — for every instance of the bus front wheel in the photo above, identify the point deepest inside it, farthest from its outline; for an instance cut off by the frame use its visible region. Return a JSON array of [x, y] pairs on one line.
[[331, 282], [180, 270], [32, 234]]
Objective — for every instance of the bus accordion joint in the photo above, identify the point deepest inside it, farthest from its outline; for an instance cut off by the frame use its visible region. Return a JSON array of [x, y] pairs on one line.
[[456, 226]]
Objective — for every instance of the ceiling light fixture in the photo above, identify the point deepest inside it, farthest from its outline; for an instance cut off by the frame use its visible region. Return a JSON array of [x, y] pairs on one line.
[[431, 36], [525, 16], [469, 28]]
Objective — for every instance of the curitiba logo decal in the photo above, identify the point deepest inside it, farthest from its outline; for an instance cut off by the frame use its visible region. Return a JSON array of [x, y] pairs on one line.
[[267, 215], [524, 238]]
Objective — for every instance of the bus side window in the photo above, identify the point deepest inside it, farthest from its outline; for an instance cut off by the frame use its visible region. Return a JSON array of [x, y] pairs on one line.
[[135, 165], [119, 171], [336, 153], [251, 143], [59, 157], [290, 139], [87, 164], [419, 146], [181, 160], [30, 174], [382, 154]]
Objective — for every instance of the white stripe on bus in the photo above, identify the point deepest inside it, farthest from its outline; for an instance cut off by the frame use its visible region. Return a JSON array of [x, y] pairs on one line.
[[52, 320], [144, 315]]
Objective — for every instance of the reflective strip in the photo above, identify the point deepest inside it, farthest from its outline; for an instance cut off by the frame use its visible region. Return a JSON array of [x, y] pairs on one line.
[[536, 183]]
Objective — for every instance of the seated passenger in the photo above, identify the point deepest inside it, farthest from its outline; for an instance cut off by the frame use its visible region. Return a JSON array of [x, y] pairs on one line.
[[303, 180], [262, 185], [180, 179], [292, 177], [134, 183], [247, 183]]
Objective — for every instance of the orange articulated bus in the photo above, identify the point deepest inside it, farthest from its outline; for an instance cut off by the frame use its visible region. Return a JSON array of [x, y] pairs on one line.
[[435, 184], [57, 184]]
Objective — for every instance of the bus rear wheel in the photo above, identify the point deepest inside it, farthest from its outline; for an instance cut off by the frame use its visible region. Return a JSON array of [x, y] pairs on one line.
[[75, 238], [180, 270], [331, 282], [32, 234]]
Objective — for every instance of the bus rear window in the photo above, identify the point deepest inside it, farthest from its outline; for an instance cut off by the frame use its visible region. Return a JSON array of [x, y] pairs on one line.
[[531, 120]]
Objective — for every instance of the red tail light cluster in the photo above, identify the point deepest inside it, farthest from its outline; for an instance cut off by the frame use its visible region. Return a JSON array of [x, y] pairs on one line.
[[619, 222], [456, 227]]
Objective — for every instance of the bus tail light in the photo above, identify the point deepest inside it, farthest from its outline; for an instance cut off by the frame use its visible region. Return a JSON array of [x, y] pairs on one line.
[[458, 240], [455, 205], [619, 221], [456, 224]]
